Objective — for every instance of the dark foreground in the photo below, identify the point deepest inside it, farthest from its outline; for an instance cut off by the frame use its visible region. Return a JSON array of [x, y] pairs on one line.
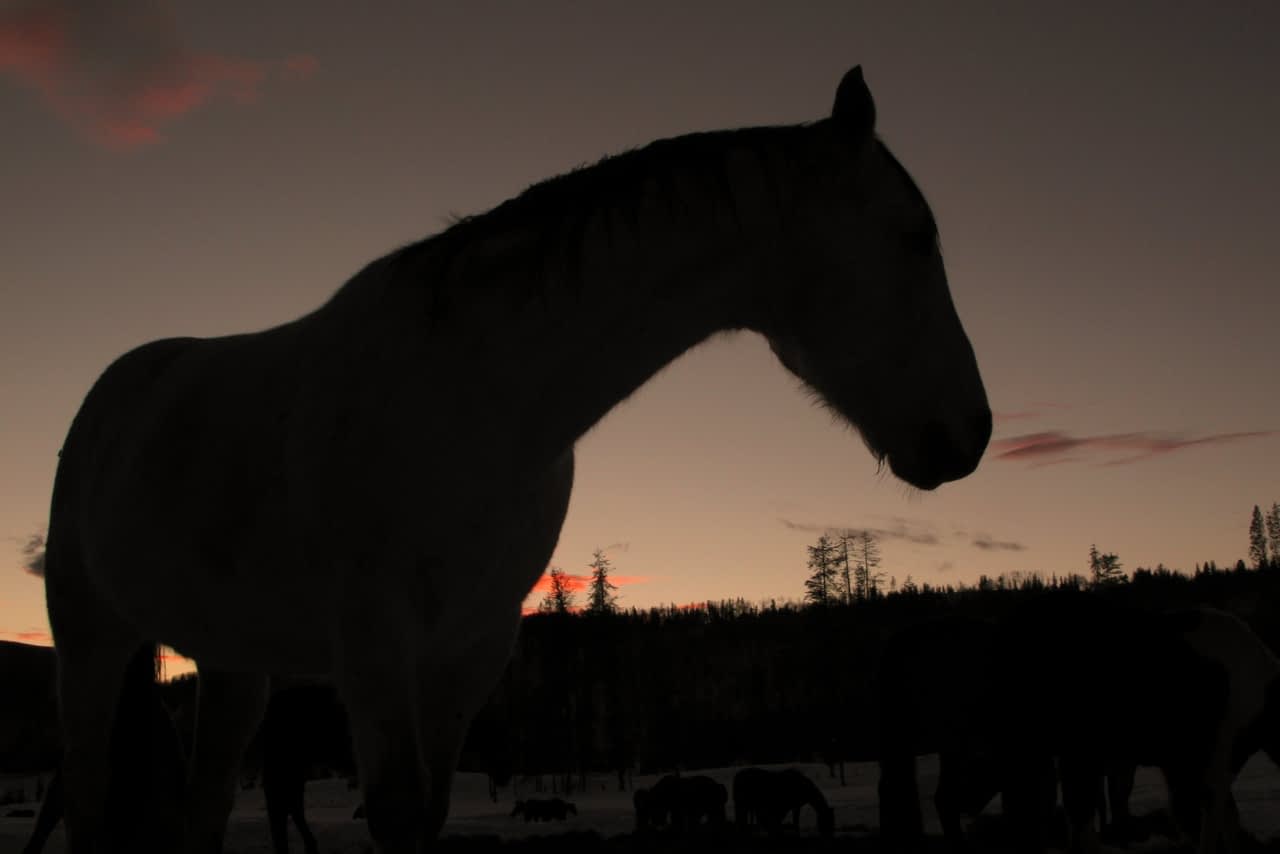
[[605, 822]]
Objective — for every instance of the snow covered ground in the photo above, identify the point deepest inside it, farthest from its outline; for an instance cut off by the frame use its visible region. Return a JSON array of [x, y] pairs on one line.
[[608, 812]]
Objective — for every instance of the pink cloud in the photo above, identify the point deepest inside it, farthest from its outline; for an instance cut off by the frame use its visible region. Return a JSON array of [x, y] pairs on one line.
[[31, 636], [119, 71], [1051, 447]]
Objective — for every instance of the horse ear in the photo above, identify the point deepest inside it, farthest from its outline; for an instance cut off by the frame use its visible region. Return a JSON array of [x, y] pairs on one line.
[[854, 112]]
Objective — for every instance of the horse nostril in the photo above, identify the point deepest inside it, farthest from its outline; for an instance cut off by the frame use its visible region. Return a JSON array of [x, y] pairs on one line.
[[947, 456]]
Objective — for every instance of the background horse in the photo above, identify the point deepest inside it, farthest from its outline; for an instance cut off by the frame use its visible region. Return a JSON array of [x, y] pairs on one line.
[[544, 809], [306, 499], [1096, 688], [762, 797], [685, 802], [934, 690], [304, 725]]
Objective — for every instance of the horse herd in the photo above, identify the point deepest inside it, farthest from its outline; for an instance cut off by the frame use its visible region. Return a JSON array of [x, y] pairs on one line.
[[761, 798], [1069, 693]]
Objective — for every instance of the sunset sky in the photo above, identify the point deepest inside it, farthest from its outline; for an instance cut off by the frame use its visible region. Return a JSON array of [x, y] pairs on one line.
[[1104, 177]]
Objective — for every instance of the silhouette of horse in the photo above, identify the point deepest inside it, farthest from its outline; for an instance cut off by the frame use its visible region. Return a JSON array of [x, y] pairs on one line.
[[544, 809], [764, 798], [685, 802], [147, 764], [304, 725], [306, 499], [1200, 765], [1093, 686], [934, 688]]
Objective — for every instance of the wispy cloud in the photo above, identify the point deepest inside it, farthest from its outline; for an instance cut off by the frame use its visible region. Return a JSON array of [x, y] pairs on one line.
[[119, 70], [32, 551], [907, 530], [576, 582], [1052, 447], [987, 543], [31, 636]]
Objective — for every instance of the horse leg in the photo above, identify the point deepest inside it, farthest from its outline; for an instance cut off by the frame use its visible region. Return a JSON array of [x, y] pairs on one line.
[[962, 787], [229, 707], [309, 843], [901, 822], [1081, 788], [51, 810], [1120, 778], [371, 677], [91, 672], [281, 788], [449, 695]]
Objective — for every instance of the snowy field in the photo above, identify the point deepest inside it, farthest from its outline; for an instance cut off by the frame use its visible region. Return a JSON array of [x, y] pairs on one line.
[[605, 818]]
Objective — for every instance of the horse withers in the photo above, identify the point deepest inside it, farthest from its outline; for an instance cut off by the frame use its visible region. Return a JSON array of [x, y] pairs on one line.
[[306, 499]]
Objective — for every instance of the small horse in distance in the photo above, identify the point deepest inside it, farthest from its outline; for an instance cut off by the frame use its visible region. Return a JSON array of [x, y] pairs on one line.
[[305, 499], [764, 798], [684, 802], [544, 809]]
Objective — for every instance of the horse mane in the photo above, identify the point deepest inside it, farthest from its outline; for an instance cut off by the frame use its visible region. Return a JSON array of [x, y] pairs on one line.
[[544, 227]]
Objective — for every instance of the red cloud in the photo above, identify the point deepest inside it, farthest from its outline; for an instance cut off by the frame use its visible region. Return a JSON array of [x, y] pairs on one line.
[[32, 637], [1050, 447], [118, 70]]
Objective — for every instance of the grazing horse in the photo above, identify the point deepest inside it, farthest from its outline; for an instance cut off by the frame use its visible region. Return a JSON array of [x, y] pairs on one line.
[[1200, 766], [934, 689], [544, 809], [306, 499], [684, 801], [146, 753], [304, 724], [1095, 687], [765, 797]]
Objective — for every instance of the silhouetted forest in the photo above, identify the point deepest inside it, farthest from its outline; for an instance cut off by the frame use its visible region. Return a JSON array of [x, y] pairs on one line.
[[733, 683]]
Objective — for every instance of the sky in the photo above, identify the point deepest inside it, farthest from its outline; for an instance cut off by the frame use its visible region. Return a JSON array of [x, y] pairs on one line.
[[1103, 176]]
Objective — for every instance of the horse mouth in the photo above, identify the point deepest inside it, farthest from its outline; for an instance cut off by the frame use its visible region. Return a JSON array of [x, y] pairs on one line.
[[939, 455]]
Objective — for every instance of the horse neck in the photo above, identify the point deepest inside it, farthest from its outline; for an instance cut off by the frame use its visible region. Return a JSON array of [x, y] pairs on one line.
[[640, 288]]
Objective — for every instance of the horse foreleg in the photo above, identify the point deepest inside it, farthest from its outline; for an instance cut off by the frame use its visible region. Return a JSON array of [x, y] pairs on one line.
[[1082, 780], [51, 810], [449, 695], [91, 674], [229, 707]]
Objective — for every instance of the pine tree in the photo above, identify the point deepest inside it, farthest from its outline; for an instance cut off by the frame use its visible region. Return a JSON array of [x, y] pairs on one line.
[[1105, 568], [1273, 533], [1257, 540], [820, 587], [559, 598], [846, 575], [866, 559], [602, 597]]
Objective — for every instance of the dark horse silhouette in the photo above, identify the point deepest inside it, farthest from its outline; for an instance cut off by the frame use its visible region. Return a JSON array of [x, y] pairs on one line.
[[935, 694], [762, 797], [544, 809], [685, 802], [147, 760], [304, 725], [1091, 685]]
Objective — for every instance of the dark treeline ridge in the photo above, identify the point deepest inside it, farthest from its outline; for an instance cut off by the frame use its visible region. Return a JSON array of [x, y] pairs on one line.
[[733, 683]]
